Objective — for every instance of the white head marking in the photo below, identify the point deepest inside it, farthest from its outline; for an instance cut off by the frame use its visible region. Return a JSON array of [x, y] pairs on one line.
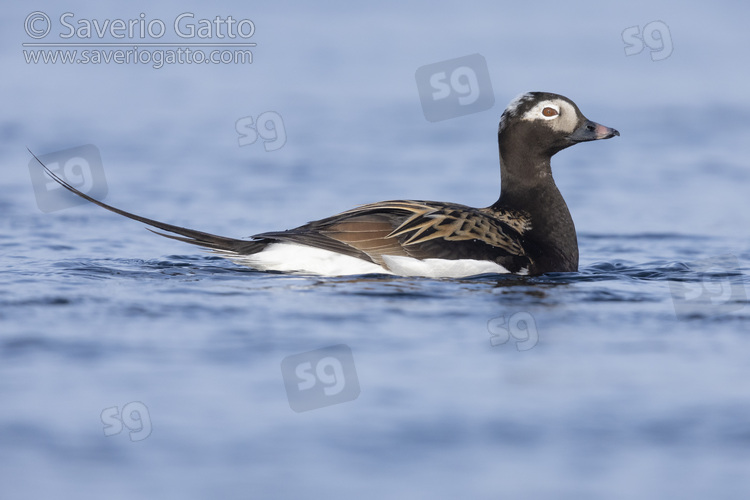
[[512, 110], [556, 113], [513, 106]]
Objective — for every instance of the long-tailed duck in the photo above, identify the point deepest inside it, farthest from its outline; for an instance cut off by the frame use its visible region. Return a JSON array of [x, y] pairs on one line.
[[528, 230]]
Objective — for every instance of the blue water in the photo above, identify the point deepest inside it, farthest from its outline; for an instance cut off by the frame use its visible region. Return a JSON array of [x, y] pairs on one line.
[[628, 379]]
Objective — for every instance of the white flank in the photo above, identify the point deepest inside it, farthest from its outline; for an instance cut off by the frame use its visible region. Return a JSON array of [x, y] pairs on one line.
[[440, 268], [293, 258]]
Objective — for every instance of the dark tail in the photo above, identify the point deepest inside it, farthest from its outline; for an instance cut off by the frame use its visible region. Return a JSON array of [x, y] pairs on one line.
[[206, 240]]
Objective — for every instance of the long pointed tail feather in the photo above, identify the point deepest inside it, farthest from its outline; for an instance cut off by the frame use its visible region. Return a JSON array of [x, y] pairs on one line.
[[206, 240]]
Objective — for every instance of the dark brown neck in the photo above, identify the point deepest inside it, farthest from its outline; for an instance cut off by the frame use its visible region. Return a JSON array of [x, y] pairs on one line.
[[527, 185]]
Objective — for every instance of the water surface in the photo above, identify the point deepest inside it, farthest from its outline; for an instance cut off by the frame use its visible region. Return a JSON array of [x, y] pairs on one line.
[[627, 379]]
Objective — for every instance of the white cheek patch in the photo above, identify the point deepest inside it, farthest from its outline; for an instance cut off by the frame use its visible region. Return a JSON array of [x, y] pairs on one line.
[[536, 113], [565, 120]]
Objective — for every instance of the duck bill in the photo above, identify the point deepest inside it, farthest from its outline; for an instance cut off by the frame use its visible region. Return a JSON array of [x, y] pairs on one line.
[[592, 131]]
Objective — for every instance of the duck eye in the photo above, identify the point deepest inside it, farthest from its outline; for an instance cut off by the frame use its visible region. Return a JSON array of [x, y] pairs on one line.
[[550, 112]]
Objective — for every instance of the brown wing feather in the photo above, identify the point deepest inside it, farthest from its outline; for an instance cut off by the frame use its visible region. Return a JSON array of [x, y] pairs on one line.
[[418, 229], [367, 234]]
